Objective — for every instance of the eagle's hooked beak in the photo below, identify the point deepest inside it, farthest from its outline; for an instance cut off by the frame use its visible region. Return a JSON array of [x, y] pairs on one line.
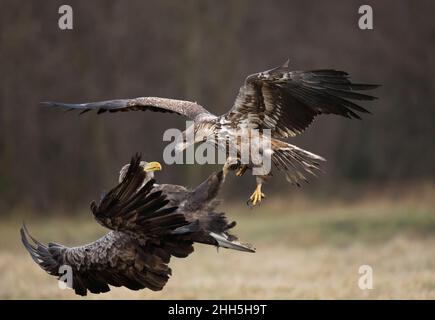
[[152, 166]]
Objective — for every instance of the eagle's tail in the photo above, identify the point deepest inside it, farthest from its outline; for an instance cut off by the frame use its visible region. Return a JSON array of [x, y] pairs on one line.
[[296, 162], [229, 241], [212, 228]]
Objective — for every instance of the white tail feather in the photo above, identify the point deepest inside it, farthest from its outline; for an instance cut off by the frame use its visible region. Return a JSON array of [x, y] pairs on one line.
[[224, 242]]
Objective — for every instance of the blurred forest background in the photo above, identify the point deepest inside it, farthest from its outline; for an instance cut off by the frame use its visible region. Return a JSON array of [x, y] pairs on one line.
[[202, 51]]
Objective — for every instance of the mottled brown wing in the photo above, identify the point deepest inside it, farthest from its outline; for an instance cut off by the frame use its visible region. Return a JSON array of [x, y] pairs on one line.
[[189, 109], [286, 102], [116, 259]]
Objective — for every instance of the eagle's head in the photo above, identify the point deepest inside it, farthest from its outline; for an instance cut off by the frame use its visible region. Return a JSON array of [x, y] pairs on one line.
[[275, 74], [148, 167]]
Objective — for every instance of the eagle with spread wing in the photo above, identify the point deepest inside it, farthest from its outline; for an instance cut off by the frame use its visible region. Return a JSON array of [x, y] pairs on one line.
[[279, 100], [149, 223]]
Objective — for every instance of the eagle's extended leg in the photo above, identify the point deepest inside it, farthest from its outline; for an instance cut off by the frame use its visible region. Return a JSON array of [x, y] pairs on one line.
[[241, 170], [258, 195]]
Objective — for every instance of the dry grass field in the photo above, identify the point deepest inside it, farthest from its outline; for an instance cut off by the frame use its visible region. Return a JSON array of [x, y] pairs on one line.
[[305, 249]]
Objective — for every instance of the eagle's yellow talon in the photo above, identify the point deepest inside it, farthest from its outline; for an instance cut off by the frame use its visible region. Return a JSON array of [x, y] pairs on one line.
[[257, 196]]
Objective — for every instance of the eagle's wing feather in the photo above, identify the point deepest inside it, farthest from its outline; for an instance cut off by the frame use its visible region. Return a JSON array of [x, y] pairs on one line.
[[199, 205], [186, 108], [116, 259], [127, 207], [286, 102]]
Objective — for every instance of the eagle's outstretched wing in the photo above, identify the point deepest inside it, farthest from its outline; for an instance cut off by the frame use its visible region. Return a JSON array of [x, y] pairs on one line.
[[286, 102], [189, 109], [116, 259]]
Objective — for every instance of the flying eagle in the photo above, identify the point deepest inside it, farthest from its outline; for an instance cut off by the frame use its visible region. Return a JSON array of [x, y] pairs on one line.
[[147, 225], [280, 100]]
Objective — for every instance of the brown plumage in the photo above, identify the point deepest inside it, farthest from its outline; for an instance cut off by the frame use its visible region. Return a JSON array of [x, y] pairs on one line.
[[280, 100], [147, 228]]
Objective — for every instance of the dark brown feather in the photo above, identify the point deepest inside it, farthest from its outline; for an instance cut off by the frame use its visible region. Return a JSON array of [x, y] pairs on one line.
[[286, 102]]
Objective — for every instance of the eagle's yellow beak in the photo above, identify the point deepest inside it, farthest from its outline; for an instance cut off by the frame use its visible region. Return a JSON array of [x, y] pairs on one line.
[[152, 166]]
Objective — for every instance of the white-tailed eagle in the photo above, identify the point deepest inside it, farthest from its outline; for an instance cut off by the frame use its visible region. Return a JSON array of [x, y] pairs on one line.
[[280, 100], [148, 224]]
